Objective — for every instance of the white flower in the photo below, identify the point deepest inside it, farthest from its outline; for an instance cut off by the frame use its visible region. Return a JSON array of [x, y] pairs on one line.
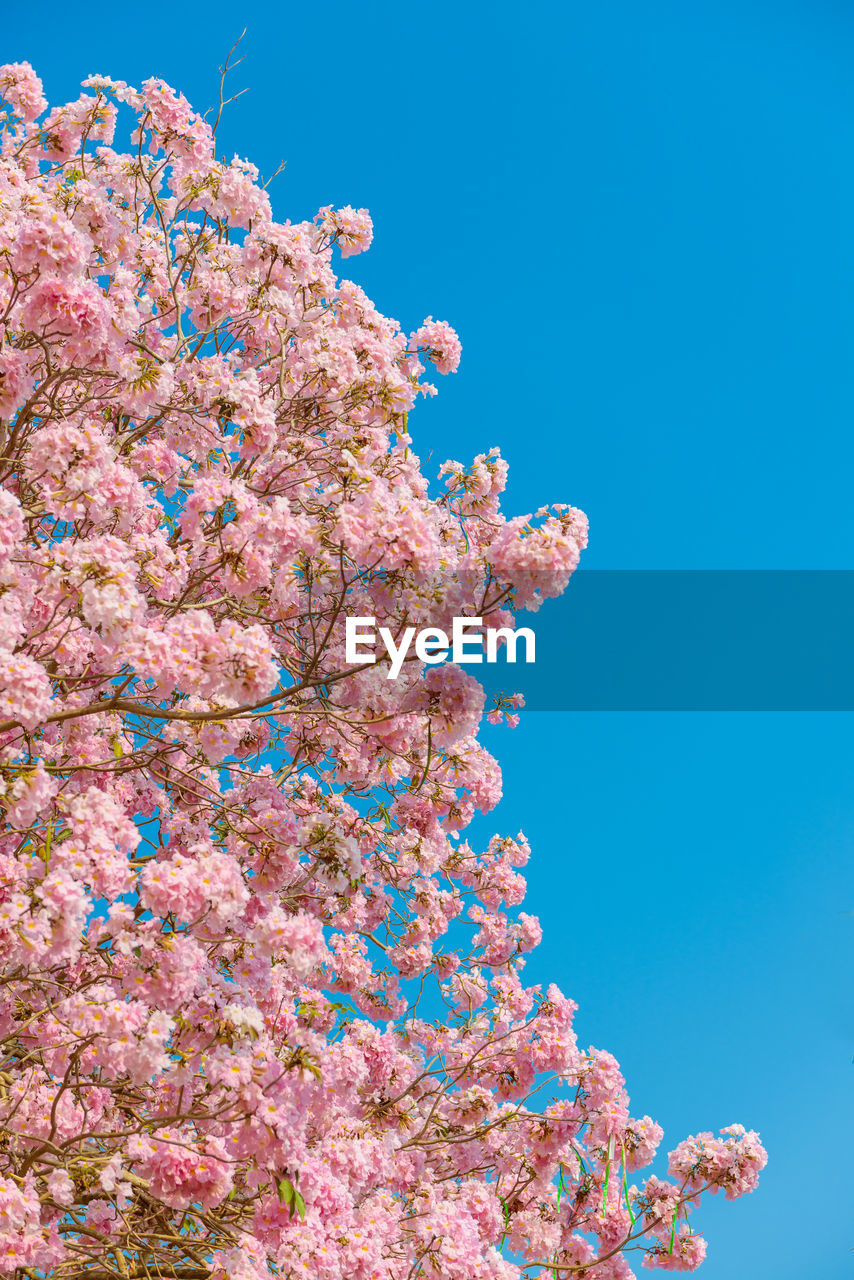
[[245, 1019]]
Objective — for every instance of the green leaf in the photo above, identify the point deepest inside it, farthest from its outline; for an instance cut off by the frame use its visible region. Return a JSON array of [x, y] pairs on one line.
[[286, 1191], [299, 1204]]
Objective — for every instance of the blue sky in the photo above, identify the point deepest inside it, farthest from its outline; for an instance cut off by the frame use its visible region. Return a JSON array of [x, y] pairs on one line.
[[640, 218]]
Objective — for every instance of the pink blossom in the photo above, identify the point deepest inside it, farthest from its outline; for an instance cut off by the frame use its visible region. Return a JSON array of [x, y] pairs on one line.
[[25, 692], [22, 89], [267, 998], [441, 344], [61, 1187], [29, 795], [452, 699], [76, 311], [17, 380], [181, 1171], [51, 244], [351, 228]]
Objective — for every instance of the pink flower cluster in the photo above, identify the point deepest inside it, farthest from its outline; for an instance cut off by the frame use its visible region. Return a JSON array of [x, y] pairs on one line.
[[180, 1170], [263, 1003]]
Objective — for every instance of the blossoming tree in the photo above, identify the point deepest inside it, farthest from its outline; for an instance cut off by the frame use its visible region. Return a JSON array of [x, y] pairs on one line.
[[261, 1006]]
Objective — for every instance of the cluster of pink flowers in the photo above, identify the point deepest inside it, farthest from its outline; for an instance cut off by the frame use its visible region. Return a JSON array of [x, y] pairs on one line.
[[182, 1171], [351, 228], [438, 340], [262, 1008]]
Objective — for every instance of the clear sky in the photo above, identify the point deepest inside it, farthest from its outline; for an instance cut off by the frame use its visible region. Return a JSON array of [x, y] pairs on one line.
[[640, 218]]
